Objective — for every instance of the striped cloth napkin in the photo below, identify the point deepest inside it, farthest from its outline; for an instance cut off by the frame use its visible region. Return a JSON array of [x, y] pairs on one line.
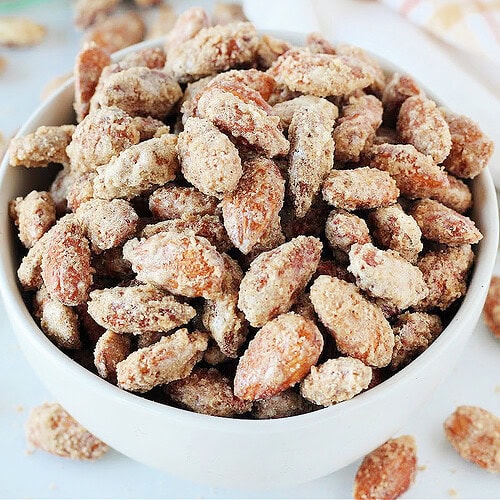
[[470, 25]]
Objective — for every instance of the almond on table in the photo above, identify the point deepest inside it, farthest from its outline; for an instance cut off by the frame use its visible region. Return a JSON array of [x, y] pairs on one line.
[[491, 311], [52, 429], [475, 435], [20, 32], [87, 12], [388, 471]]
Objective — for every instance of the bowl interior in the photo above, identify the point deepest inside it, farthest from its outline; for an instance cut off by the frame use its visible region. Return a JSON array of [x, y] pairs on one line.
[[19, 181]]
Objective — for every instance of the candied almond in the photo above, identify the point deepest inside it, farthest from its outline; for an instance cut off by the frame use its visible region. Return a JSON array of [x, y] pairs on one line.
[[20, 31], [335, 381], [208, 226], [209, 160], [269, 49], [475, 435], [137, 309], [99, 137], [140, 91], [355, 130], [413, 334], [416, 175], [360, 188], [358, 326], [233, 112], [174, 202], [138, 169], [181, 263], [445, 273], [421, 124], [34, 215], [343, 229], [52, 429], [186, 26], [318, 44], [40, 148], [171, 358], [150, 128], [253, 206], [455, 194], [117, 32], [471, 149], [387, 275], [66, 269], [226, 13], [107, 224], [491, 311], [89, 63], [221, 316], [284, 404], [87, 12], [209, 392], [152, 58], [275, 278], [311, 152], [286, 109], [211, 50], [398, 89], [370, 64], [110, 349], [392, 228], [321, 74], [57, 321], [388, 471], [81, 190], [29, 272], [443, 225], [280, 355]]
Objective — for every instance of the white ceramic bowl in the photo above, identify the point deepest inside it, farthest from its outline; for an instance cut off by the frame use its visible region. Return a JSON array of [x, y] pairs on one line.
[[221, 451]]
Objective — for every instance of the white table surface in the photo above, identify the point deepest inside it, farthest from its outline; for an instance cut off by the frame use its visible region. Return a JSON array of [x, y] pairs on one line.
[[475, 380]]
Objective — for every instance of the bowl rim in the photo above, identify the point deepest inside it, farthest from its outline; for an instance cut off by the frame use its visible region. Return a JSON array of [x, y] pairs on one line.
[[22, 321]]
